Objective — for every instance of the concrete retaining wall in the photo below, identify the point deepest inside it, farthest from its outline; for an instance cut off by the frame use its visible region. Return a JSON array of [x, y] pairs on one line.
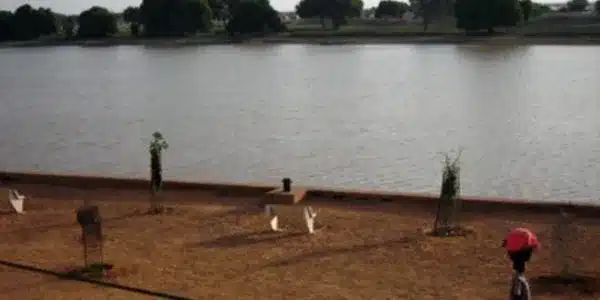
[[470, 204], [474, 204], [92, 182]]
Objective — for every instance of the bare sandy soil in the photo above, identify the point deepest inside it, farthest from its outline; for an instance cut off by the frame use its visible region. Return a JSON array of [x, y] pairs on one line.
[[219, 248]]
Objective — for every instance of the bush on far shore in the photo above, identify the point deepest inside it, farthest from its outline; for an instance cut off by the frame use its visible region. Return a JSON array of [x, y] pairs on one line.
[[97, 22], [27, 23], [162, 18], [254, 16]]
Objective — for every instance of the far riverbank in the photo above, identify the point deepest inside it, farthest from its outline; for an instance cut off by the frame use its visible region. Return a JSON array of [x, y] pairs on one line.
[[323, 39]]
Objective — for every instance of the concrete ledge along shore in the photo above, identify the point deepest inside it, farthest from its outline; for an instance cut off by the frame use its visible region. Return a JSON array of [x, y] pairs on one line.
[[425, 201]]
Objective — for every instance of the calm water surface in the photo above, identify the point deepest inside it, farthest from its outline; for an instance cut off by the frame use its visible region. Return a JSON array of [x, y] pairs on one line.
[[366, 116]]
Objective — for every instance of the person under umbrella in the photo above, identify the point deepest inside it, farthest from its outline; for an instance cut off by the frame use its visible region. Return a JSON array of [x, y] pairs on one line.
[[520, 244]]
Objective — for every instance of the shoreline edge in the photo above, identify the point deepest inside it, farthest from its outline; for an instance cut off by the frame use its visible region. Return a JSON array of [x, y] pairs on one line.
[[323, 194]]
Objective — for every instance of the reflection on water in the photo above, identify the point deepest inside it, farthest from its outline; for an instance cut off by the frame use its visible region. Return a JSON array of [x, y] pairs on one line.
[[360, 116]]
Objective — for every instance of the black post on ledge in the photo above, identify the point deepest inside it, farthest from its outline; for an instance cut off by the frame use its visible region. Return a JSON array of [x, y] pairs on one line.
[[287, 185]]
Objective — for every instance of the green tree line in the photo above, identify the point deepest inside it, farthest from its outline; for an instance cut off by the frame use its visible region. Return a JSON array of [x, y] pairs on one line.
[[152, 18], [164, 18]]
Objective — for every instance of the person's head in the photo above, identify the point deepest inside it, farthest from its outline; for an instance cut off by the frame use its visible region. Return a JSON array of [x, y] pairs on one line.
[[520, 244], [520, 258]]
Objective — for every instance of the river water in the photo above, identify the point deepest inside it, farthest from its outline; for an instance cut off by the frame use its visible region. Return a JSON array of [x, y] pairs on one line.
[[353, 116]]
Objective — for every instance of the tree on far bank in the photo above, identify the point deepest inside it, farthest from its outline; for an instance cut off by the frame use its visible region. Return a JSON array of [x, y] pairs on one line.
[[254, 16], [24, 23], [45, 23], [132, 16], [175, 17], [539, 9], [6, 26], [476, 15], [526, 9], [67, 25], [577, 5], [219, 9], [597, 6], [28, 23], [431, 10], [335, 10], [427, 9], [356, 8], [97, 22], [391, 9]]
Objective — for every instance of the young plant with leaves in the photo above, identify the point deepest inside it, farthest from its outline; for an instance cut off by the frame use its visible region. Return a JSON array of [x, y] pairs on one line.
[[157, 145], [447, 217]]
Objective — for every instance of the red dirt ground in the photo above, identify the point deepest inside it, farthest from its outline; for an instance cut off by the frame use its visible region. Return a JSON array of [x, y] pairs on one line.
[[212, 247]]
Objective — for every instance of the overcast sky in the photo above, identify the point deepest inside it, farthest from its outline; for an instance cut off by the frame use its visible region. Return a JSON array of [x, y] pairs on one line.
[[76, 6]]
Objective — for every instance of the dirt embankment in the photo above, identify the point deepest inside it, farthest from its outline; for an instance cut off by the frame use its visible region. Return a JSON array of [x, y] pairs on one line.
[[211, 245]]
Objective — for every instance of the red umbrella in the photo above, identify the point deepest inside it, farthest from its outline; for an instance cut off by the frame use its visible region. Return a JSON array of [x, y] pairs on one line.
[[520, 239]]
